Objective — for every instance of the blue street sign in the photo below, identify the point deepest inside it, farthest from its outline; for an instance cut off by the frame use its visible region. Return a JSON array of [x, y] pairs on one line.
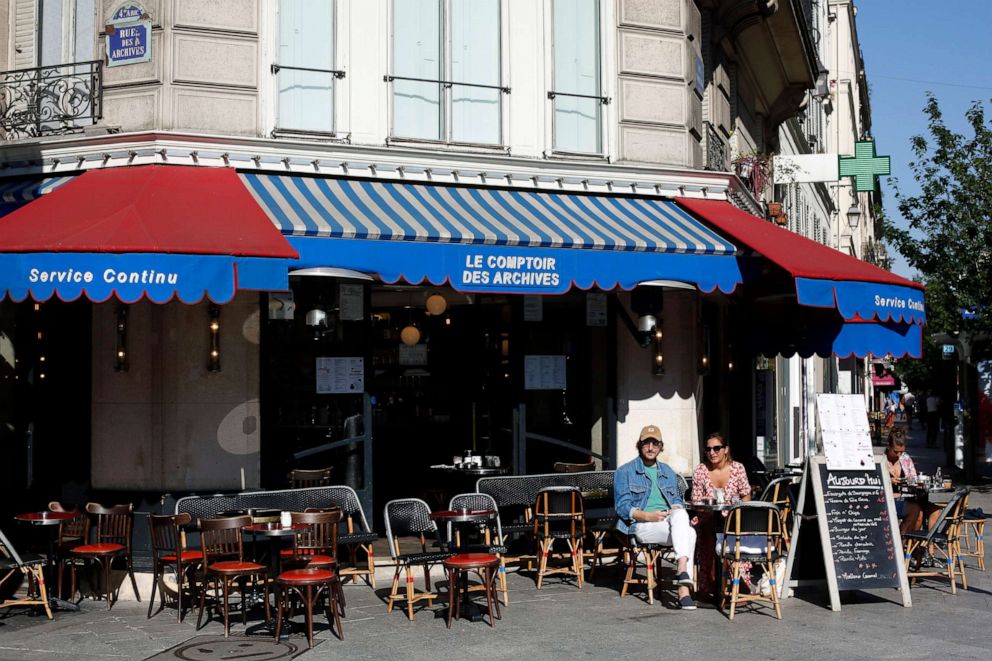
[[129, 43]]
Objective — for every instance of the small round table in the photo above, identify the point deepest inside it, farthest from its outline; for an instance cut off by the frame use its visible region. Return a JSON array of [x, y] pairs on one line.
[[46, 519]]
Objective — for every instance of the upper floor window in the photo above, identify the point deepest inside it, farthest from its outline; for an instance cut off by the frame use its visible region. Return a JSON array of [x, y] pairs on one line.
[[66, 31], [305, 68], [577, 94], [447, 79]]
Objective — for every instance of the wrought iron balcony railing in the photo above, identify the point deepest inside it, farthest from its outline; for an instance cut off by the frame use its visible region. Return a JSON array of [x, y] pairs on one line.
[[52, 100], [717, 151]]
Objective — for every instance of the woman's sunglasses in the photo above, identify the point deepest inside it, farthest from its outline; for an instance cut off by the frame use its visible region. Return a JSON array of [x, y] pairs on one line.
[[715, 448]]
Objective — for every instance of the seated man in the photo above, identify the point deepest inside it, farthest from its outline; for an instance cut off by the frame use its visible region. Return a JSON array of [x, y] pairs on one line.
[[650, 507]]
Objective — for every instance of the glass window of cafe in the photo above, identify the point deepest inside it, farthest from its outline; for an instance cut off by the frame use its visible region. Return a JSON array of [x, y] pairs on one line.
[[444, 372]]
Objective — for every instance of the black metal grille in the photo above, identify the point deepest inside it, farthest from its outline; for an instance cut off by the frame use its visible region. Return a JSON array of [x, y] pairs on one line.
[[717, 152], [52, 100], [521, 490]]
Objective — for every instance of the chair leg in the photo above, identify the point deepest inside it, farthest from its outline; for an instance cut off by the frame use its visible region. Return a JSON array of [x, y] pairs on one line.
[[502, 582], [452, 588], [280, 595], [203, 601], [631, 564], [61, 563], [544, 549], [134, 582], [43, 590], [106, 581], [227, 621], [735, 574], [151, 599], [427, 583], [650, 562], [392, 593], [335, 594], [409, 592], [488, 580], [371, 565], [309, 598], [770, 570]]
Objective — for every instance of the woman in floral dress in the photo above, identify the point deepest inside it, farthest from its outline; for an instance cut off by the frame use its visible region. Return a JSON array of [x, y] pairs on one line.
[[718, 471]]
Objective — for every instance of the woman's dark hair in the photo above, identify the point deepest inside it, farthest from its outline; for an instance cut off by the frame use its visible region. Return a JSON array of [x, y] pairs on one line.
[[706, 455]]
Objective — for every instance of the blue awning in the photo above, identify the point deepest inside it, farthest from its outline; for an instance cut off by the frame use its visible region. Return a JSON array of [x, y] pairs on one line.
[[493, 240], [806, 331]]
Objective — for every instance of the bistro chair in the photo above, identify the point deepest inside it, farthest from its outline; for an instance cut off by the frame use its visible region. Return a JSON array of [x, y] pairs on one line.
[[170, 554], [302, 478], [223, 559], [492, 534], [411, 517], [944, 538], [457, 568], [752, 534], [31, 567], [973, 537], [71, 533], [559, 513], [114, 528], [356, 535], [779, 492], [565, 467], [652, 555], [317, 544]]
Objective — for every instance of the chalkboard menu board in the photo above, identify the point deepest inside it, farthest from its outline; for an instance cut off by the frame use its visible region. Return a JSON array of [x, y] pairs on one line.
[[853, 520], [864, 553]]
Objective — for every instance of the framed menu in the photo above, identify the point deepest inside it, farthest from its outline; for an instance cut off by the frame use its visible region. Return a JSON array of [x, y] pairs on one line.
[[338, 375], [842, 421]]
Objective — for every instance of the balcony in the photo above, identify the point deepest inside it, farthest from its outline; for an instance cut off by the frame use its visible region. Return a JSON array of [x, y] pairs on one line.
[[717, 151], [52, 100]]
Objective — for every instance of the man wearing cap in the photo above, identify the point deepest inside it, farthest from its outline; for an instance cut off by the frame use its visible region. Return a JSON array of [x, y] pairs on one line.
[[647, 500]]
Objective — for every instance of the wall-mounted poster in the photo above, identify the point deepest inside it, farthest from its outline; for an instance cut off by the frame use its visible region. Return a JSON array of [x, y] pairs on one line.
[[533, 308], [596, 309], [337, 375], [351, 301], [544, 372]]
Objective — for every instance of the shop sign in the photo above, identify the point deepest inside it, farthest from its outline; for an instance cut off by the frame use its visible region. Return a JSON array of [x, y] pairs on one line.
[[129, 36]]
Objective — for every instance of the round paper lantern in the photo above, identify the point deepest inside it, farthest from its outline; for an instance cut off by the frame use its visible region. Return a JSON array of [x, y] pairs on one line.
[[410, 335], [436, 304]]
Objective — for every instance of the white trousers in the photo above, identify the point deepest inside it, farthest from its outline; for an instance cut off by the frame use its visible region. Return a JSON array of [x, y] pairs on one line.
[[675, 531]]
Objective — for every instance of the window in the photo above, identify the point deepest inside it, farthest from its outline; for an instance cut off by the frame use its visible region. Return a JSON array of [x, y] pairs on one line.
[[446, 71], [577, 93], [66, 32], [305, 70]]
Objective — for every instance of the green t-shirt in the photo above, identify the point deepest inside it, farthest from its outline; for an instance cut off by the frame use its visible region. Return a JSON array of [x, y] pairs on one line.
[[656, 501]]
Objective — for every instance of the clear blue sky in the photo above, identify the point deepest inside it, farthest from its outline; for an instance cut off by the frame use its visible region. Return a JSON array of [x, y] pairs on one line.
[[912, 47]]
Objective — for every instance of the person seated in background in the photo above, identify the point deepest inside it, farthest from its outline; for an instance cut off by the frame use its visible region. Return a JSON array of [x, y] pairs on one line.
[[717, 471], [903, 471]]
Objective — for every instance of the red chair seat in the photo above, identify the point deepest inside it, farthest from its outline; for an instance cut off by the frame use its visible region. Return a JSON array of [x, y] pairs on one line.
[[318, 559], [305, 576], [98, 549], [236, 567], [187, 556], [471, 560]]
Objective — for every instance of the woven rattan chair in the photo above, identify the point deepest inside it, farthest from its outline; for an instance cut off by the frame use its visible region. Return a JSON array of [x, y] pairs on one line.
[[31, 567], [355, 534], [492, 533], [169, 553], [779, 492], [559, 513], [944, 538], [411, 517], [114, 528], [752, 533]]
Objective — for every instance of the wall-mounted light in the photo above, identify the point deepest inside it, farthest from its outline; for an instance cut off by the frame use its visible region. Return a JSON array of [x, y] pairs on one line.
[[704, 354], [658, 358], [213, 358], [120, 345], [436, 305], [730, 358], [853, 216]]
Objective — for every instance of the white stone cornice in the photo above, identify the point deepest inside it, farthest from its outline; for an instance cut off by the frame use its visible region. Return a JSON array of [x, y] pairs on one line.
[[286, 156]]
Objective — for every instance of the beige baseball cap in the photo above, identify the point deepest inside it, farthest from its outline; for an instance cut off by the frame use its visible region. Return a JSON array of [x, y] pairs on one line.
[[651, 431]]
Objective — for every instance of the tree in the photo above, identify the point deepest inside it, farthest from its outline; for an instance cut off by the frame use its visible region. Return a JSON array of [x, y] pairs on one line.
[[949, 234]]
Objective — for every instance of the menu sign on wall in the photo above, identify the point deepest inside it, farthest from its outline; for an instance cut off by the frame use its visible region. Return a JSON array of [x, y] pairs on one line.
[[843, 426], [339, 375]]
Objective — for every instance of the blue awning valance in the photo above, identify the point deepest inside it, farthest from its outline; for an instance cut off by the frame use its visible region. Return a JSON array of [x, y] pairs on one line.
[[494, 240]]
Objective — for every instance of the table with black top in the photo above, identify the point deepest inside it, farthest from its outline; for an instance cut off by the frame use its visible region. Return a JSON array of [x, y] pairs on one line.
[[49, 521]]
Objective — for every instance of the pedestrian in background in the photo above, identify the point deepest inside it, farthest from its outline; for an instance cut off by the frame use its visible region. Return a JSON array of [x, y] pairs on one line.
[[933, 418]]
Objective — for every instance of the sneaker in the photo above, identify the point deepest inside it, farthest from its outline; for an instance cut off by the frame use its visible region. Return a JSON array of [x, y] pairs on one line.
[[687, 604], [682, 578]]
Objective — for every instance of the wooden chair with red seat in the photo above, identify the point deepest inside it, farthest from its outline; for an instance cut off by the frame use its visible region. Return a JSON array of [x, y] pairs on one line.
[[222, 544], [457, 568], [316, 545], [309, 583], [114, 527], [302, 478], [71, 533], [169, 553]]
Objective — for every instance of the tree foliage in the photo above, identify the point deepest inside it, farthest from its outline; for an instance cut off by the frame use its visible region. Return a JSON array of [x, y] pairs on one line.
[[948, 237]]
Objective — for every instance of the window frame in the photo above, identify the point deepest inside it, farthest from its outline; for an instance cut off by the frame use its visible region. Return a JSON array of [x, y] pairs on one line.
[[446, 84], [606, 99]]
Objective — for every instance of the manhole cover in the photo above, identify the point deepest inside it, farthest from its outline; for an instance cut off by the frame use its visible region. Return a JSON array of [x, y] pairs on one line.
[[218, 648]]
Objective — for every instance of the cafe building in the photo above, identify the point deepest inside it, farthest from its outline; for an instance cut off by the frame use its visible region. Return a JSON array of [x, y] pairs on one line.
[[267, 244]]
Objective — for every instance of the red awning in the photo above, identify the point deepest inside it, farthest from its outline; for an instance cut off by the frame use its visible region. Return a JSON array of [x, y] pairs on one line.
[[886, 381], [152, 208], [824, 277]]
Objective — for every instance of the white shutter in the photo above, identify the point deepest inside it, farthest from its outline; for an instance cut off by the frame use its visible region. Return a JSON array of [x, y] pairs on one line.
[[25, 31]]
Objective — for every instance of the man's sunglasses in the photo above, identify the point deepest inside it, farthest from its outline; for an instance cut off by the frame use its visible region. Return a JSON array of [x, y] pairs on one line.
[[715, 448], [651, 441]]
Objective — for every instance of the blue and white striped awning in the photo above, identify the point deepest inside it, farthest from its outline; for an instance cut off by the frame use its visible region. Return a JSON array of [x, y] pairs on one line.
[[488, 239], [353, 209]]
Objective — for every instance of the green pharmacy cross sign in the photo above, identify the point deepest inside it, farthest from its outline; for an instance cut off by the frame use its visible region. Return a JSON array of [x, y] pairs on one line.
[[864, 166]]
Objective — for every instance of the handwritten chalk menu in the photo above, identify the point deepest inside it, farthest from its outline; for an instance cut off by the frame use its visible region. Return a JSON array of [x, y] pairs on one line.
[[857, 530], [336, 375], [861, 540], [842, 421]]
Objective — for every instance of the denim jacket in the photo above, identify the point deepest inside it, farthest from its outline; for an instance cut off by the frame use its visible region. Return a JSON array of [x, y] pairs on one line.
[[631, 488]]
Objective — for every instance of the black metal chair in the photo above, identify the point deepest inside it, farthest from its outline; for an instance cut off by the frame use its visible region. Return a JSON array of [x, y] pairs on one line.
[[31, 567], [356, 535], [411, 517], [752, 534], [301, 478], [944, 537], [559, 513], [492, 534], [652, 554]]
